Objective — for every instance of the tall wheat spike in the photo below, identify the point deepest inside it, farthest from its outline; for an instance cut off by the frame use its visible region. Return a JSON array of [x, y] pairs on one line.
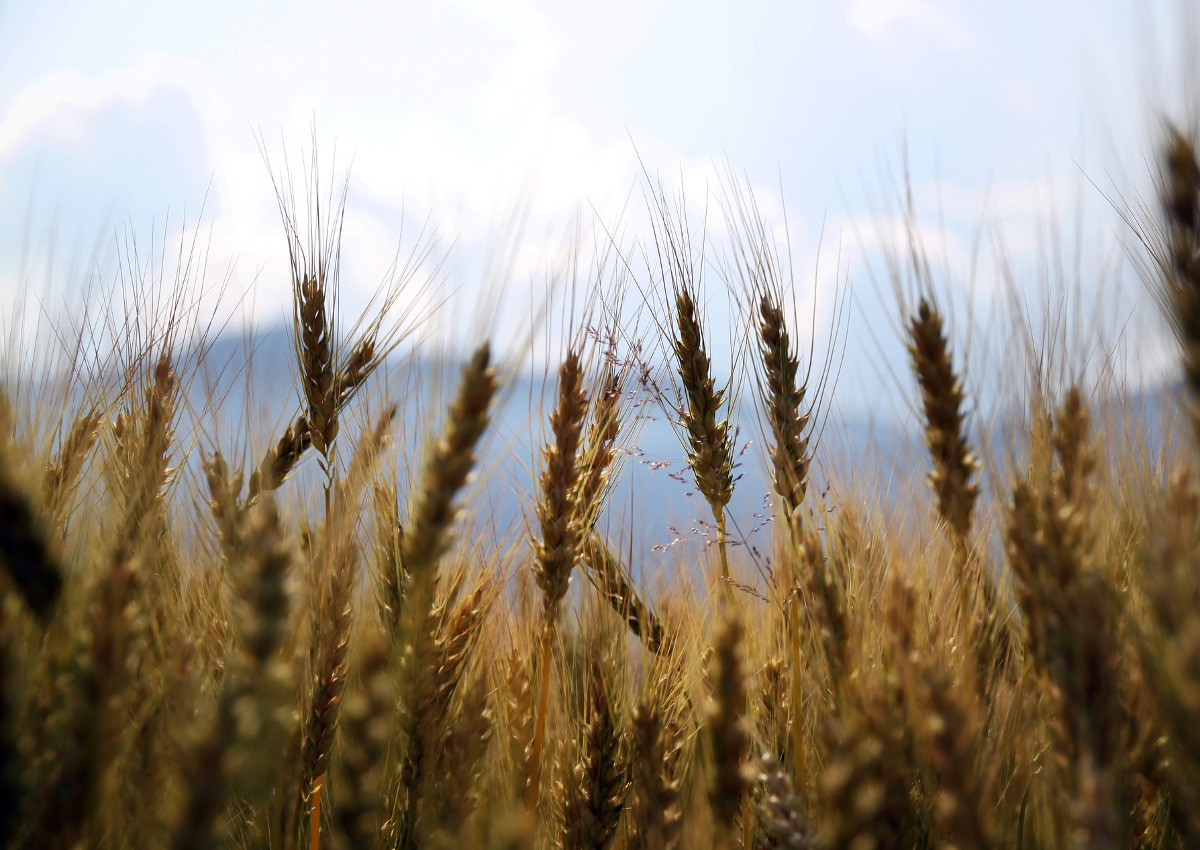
[[783, 399], [558, 549], [447, 467], [1179, 194], [710, 444], [952, 477], [730, 735]]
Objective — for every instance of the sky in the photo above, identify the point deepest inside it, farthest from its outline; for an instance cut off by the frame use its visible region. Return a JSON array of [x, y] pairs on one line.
[[124, 125]]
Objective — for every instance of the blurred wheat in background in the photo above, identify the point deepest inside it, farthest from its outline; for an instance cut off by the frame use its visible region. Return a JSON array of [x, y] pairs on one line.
[[201, 646]]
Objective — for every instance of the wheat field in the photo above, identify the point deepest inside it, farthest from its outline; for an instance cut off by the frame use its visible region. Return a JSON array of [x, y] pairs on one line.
[[198, 652]]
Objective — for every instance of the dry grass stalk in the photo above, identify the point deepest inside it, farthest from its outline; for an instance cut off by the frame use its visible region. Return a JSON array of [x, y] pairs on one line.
[[435, 669], [155, 703], [433, 663], [521, 712], [557, 550], [314, 352], [954, 464], [822, 587], [771, 719], [141, 456], [389, 573], [335, 560], [329, 671], [262, 584], [950, 734], [1167, 644], [466, 746], [281, 458], [598, 452], [228, 513], [89, 719], [240, 722], [865, 788]]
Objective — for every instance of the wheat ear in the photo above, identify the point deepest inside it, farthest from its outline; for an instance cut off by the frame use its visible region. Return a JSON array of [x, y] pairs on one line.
[[560, 544], [656, 790], [445, 473], [597, 785], [265, 563], [783, 397], [336, 573], [730, 737], [1180, 197], [952, 477], [609, 576], [314, 352], [64, 468], [710, 445]]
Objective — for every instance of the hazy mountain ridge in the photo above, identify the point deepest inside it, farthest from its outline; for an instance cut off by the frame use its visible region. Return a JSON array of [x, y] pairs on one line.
[[653, 491]]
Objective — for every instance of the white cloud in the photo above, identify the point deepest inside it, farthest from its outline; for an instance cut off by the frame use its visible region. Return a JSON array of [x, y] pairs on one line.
[[54, 105], [878, 16]]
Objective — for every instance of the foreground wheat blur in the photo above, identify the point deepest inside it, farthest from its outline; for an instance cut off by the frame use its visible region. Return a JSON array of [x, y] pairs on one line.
[[344, 673]]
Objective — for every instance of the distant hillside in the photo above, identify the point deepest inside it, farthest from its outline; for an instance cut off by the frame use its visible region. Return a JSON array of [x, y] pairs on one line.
[[654, 492]]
